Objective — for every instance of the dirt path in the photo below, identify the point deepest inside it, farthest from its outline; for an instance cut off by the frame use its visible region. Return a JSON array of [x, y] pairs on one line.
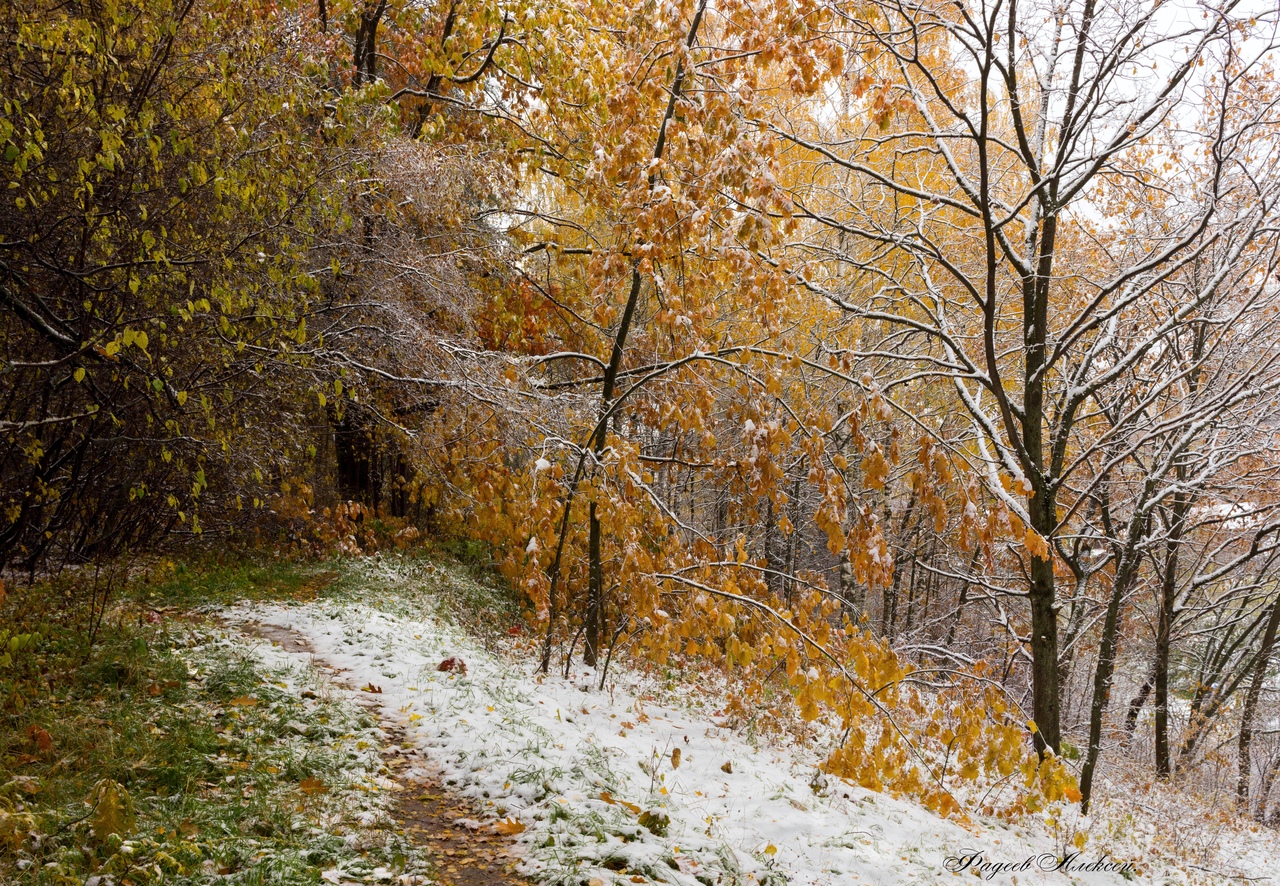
[[464, 851]]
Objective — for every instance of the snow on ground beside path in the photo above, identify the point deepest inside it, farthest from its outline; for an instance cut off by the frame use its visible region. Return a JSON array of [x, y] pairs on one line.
[[574, 766]]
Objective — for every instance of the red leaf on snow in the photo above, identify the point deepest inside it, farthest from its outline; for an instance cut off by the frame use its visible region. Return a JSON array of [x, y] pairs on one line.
[[453, 663]]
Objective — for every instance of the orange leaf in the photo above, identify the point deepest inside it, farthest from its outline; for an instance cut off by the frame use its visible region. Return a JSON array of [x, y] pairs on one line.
[[312, 786], [1036, 545], [41, 738], [509, 827]]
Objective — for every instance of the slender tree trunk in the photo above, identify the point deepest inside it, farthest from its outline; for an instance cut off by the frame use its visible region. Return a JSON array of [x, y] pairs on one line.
[[595, 573], [964, 596], [1106, 661], [1164, 630], [1136, 704], [1264, 792], [1251, 705], [889, 606]]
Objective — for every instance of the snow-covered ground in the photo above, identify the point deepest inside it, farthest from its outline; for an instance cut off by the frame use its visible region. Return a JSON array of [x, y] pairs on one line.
[[579, 770]]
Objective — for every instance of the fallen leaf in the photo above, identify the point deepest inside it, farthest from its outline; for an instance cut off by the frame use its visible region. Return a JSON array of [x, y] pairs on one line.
[[727, 767], [509, 827], [312, 786], [369, 687], [608, 798], [153, 690], [41, 738], [453, 663], [675, 758], [246, 701]]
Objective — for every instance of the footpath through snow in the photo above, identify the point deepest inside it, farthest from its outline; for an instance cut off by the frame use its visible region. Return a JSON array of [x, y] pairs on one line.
[[579, 769]]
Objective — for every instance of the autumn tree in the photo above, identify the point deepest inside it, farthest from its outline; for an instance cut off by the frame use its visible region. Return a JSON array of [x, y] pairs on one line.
[[1017, 189]]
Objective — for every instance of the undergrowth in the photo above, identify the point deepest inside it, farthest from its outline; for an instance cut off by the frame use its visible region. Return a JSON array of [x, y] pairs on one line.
[[169, 752]]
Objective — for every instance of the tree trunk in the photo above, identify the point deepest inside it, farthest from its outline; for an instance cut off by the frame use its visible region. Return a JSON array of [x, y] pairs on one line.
[[1106, 664], [1136, 704], [1164, 628], [1251, 705], [1045, 692]]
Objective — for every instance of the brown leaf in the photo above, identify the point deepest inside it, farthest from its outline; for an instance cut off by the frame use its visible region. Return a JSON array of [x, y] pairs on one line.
[[675, 758], [246, 701], [369, 687], [312, 786], [608, 798], [727, 767], [41, 738], [153, 690]]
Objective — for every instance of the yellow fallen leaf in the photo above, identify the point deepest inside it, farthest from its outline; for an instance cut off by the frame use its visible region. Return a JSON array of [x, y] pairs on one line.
[[509, 827]]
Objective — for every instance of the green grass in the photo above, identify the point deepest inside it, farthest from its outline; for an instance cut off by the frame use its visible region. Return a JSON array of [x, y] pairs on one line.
[[196, 584], [235, 772]]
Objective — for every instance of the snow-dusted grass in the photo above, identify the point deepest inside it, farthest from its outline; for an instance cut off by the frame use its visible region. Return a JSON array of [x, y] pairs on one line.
[[591, 778]]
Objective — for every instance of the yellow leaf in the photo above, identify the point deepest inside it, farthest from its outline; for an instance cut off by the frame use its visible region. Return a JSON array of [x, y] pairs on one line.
[[78, 375], [771, 850], [509, 827], [112, 810]]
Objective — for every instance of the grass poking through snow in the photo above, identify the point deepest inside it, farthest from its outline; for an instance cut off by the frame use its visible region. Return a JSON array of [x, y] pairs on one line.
[[175, 752]]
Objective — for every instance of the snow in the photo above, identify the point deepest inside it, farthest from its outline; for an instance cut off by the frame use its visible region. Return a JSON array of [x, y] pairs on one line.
[[564, 760]]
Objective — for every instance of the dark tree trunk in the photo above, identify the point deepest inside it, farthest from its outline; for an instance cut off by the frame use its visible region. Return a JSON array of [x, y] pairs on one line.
[[1251, 705], [1164, 631], [355, 451], [1107, 658]]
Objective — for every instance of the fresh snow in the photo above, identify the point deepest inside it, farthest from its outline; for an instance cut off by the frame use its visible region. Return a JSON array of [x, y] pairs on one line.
[[541, 752]]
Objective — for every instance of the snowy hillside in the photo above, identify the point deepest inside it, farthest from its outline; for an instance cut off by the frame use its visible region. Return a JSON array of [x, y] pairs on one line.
[[642, 782]]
